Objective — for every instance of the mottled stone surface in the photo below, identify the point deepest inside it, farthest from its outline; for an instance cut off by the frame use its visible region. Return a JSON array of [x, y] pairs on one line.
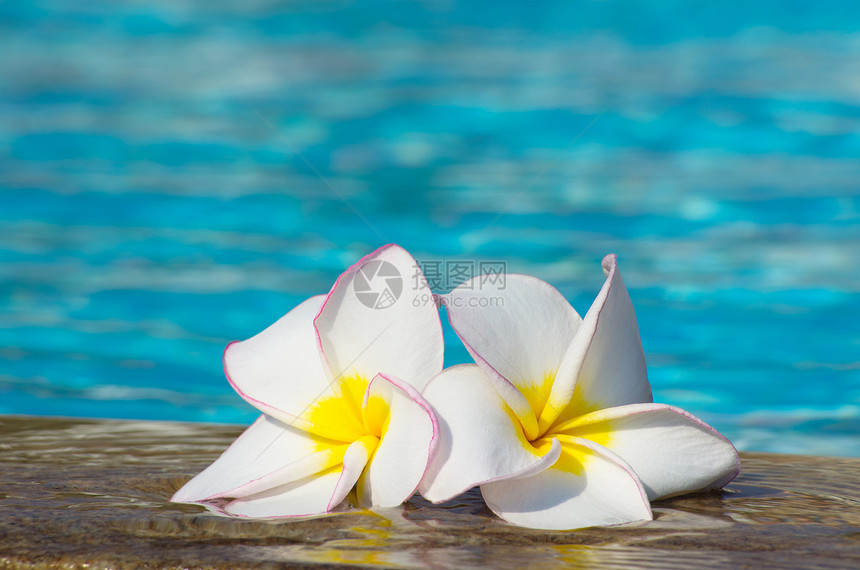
[[86, 493]]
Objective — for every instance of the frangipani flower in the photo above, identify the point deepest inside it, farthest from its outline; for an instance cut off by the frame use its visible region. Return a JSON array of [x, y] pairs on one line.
[[555, 422], [339, 382]]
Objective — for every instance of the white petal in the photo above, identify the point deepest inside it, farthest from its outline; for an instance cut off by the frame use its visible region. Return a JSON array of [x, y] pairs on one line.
[[380, 316], [313, 495], [605, 492], [280, 371], [480, 439], [605, 365], [408, 442], [268, 453], [518, 332], [672, 451]]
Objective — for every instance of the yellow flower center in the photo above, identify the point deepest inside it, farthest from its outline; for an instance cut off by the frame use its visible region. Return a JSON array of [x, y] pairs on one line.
[[342, 417], [576, 420]]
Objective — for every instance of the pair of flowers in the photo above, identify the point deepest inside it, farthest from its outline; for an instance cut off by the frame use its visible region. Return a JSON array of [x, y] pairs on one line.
[[554, 421]]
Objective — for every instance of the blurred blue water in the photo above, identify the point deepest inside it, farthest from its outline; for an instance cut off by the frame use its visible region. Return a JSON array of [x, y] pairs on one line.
[[154, 206]]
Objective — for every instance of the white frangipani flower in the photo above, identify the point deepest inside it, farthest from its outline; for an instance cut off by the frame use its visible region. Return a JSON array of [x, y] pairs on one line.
[[339, 382], [555, 422]]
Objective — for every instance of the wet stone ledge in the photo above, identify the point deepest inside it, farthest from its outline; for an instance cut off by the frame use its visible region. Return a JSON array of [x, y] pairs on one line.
[[94, 494]]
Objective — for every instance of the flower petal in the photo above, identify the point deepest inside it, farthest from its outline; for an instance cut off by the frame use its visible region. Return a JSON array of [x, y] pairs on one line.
[[279, 371], [606, 491], [269, 453], [518, 332], [480, 439], [313, 495], [672, 451], [408, 442], [380, 316], [605, 364]]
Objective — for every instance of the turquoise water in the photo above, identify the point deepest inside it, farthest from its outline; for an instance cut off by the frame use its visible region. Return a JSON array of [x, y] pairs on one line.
[[176, 175]]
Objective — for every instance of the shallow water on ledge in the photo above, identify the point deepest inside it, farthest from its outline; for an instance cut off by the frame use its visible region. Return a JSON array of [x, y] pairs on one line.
[[82, 491]]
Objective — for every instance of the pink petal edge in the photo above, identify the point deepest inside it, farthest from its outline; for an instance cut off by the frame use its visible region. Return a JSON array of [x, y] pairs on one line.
[[352, 269], [505, 386], [415, 395], [289, 419]]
